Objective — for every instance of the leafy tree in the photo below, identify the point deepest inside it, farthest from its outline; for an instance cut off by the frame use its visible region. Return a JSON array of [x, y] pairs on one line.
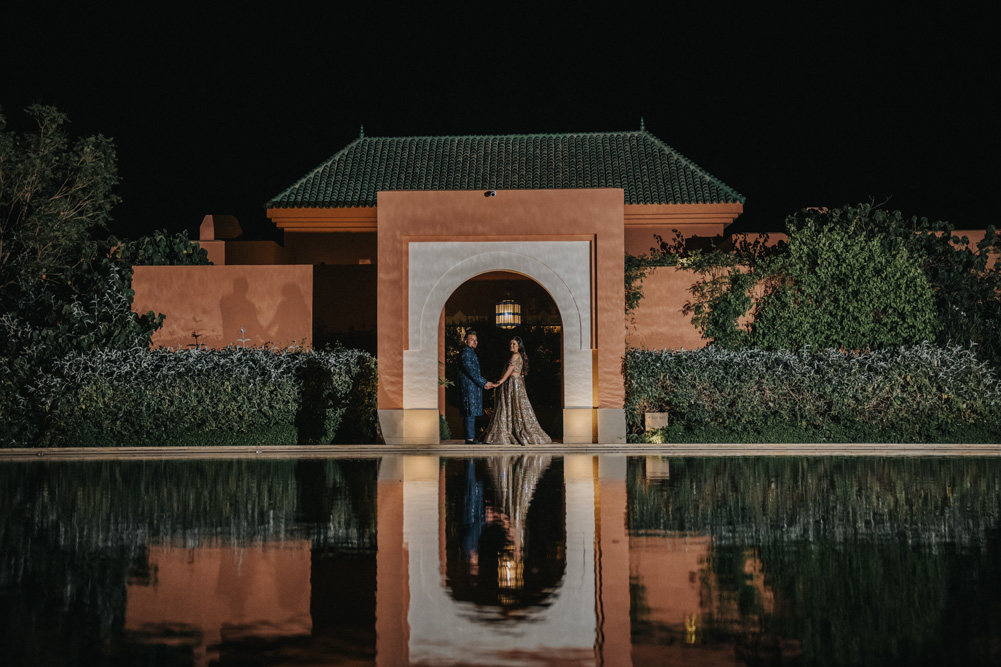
[[837, 288], [91, 306], [965, 288], [62, 287], [54, 196], [852, 278]]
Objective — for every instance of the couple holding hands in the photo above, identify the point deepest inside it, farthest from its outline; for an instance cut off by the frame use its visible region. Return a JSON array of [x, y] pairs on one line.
[[513, 421]]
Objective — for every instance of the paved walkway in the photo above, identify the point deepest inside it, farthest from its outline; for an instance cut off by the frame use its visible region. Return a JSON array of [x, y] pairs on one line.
[[455, 448]]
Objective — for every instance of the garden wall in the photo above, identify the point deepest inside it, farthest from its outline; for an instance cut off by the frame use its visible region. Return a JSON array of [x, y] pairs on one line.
[[272, 303], [658, 323]]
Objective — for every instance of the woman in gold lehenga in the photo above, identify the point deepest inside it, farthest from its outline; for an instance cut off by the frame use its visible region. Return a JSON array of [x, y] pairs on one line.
[[514, 421]]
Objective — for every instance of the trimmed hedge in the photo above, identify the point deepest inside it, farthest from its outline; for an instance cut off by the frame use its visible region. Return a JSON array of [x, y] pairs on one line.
[[921, 393], [245, 396]]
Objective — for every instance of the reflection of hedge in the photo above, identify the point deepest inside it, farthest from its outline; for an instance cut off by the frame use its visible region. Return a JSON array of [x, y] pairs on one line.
[[231, 396], [73, 534], [740, 500], [909, 394], [189, 503], [871, 561]]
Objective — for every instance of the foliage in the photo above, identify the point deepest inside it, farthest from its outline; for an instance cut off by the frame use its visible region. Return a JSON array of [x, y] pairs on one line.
[[232, 396], [158, 249], [832, 286], [855, 277], [635, 271], [62, 289], [670, 253], [91, 310], [73, 533], [53, 196], [836, 288], [908, 394], [967, 294], [444, 431], [867, 560], [92, 307]]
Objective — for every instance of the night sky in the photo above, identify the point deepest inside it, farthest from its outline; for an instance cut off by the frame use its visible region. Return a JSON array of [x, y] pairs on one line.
[[216, 113]]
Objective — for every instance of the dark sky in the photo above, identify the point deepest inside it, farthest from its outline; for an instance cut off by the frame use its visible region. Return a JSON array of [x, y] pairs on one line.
[[216, 113]]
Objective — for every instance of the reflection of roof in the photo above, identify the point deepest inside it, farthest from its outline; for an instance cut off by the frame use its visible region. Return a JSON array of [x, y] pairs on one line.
[[647, 169]]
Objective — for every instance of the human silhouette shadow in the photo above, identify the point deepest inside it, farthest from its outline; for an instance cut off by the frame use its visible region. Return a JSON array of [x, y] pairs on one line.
[[292, 314], [238, 311]]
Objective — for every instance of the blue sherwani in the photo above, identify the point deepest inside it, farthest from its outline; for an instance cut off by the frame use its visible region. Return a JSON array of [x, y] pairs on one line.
[[471, 383], [471, 386]]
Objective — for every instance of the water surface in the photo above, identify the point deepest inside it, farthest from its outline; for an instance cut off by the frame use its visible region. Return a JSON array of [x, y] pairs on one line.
[[503, 560]]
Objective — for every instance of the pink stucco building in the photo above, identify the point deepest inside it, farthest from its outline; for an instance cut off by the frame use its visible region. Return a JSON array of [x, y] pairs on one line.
[[379, 239]]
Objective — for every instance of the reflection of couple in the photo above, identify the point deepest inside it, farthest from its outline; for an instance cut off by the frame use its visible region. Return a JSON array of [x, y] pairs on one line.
[[503, 563], [513, 420]]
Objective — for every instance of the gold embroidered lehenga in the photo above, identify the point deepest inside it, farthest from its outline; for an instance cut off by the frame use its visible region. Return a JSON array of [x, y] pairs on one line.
[[514, 421]]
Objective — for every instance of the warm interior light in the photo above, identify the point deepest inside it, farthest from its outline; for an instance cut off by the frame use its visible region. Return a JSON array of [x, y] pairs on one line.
[[508, 314]]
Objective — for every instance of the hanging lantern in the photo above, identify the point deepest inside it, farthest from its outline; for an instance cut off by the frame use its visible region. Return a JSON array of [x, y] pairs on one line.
[[508, 314]]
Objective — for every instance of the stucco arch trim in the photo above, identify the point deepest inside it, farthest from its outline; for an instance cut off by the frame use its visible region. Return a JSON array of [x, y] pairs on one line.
[[436, 269], [423, 325]]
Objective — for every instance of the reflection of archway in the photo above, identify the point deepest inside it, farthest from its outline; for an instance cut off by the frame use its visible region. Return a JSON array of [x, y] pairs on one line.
[[471, 306], [562, 268], [504, 546], [419, 621]]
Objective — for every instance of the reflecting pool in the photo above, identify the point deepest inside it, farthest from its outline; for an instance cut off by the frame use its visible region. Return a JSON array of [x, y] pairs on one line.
[[511, 560]]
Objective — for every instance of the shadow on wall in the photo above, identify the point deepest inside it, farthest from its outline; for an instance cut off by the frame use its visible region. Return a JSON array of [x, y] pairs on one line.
[[271, 304], [261, 322]]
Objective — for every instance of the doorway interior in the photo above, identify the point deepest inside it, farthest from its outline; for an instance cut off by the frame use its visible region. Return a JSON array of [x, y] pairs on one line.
[[471, 306]]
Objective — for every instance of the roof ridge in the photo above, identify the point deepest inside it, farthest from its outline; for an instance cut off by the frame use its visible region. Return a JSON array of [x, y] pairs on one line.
[[691, 163], [315, 169], [497, 136], [645, 167]]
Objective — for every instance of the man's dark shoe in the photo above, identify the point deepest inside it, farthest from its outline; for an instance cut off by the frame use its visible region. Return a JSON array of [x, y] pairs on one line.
[[474, 442]]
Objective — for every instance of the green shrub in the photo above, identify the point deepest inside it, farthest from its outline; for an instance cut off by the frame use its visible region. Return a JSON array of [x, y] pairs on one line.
[[831, 287], [17, 423], [854, 277], [907, 394], [967, 294], [196, 397]]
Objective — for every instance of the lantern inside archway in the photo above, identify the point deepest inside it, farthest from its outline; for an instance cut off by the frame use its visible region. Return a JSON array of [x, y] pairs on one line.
[[508, 314]]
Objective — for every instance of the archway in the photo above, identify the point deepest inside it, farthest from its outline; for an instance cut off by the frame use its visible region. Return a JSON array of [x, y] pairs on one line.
[[471, 307], [436, 269]]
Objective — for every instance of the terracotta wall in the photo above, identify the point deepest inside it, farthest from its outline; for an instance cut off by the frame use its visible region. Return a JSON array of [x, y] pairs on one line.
[[272, 303], [641, 240], [973, 237], [512, 215], [658, 323], [698, 222]]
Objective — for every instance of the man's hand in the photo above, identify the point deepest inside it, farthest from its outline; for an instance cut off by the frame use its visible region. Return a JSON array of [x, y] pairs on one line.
[[489, 385]]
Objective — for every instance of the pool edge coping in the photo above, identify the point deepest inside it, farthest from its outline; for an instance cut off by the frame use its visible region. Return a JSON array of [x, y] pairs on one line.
[[463, 450]]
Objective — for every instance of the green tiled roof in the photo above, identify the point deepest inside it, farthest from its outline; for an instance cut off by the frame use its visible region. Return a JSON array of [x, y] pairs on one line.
[[647, 169]]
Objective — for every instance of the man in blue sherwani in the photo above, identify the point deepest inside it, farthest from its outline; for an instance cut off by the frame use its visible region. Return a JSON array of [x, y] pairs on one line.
[[471, 386]]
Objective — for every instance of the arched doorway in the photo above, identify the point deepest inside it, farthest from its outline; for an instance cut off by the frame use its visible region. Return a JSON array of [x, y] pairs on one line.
[[435, 269], [471, 307]]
